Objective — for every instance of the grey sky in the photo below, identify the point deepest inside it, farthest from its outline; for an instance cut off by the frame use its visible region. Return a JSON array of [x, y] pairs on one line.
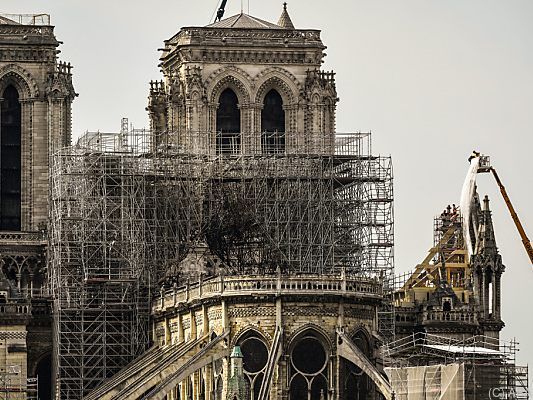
[[432, 79]]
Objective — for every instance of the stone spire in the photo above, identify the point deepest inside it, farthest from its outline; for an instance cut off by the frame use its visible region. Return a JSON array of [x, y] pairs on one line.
[[486, 243], [238, 387], [285, 19], [236, 361]]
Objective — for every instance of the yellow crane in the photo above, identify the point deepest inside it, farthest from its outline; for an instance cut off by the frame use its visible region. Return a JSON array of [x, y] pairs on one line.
[[484, 166], [514, 215]]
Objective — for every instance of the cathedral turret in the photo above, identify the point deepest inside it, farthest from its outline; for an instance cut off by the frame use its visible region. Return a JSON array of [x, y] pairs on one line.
[[238, 387], [285, 19], [488, 268], [244, 86]]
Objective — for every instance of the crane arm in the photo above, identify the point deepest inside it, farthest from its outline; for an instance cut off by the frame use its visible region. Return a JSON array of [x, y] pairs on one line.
[[521, 231], [220, 12]]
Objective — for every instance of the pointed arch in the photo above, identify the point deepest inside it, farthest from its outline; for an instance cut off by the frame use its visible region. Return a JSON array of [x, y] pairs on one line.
[[362, 338], [310, 353], [10, 159], [251, 330], [277, 78], [232, 78], [21, 79], [228, 123], [310, 328], [273, 124]]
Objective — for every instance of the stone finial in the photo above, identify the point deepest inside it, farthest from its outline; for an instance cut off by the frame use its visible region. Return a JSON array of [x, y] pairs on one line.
[[486, 202], [285, 19]]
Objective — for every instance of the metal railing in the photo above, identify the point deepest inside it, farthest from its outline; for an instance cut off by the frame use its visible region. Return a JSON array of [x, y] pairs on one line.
[[213, 143], [27, 19]]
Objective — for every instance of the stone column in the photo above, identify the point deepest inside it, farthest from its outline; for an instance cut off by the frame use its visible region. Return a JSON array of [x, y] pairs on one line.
[[255, 128], [196, 384], [31, 275], [168, 337], [486, 295], [211, 133], [477, 286], [194, 335], [496, 293], [183, 390], [481, 292], [209, 385], [181, 334], [205, 318]]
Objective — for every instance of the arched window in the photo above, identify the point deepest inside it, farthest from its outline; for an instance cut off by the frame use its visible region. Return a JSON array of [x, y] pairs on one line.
[[44, 377], [309, 372], [255, 358], [10, 160], [357, 385], [273, 123], [228, 123]]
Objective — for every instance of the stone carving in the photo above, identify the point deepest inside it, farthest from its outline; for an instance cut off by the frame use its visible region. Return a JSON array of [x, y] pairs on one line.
[[278, 78], [13, 335], [59, 84], [247, 312]]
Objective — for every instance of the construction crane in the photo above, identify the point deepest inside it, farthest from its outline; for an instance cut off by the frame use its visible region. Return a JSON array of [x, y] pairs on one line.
[[220, 12], [484, 166]]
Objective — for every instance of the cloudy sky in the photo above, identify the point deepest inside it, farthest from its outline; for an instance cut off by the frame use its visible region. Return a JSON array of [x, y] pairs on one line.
[[431, 79]]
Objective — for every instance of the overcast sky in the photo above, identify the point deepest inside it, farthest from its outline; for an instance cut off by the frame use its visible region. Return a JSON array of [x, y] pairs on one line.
[[431, 79]]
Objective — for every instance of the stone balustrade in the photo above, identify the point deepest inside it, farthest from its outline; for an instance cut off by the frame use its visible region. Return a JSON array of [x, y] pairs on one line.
[[18, 237], [450, 316], [34, 30], [272, 285], [14, 308]]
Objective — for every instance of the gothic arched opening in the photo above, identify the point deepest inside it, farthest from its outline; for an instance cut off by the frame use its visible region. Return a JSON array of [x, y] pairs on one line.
[[255, 354], [255, 358], [356, 382], [447, 305], [309, 372], [273, 123], [309, 356], [219, 388], [357, 385], [228, 123], [10, 160], [44, 377]]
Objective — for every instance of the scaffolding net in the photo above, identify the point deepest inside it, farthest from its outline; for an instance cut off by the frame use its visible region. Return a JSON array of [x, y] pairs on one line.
[[127, 217]]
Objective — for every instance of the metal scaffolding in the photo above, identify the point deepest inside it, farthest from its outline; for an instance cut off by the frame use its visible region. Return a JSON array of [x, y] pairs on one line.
[[127, 216], [478, 367]]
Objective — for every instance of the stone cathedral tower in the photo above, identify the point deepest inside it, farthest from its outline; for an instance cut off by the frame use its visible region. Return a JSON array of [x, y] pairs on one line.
[[244, 86], [283, 227], [36, 93]]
